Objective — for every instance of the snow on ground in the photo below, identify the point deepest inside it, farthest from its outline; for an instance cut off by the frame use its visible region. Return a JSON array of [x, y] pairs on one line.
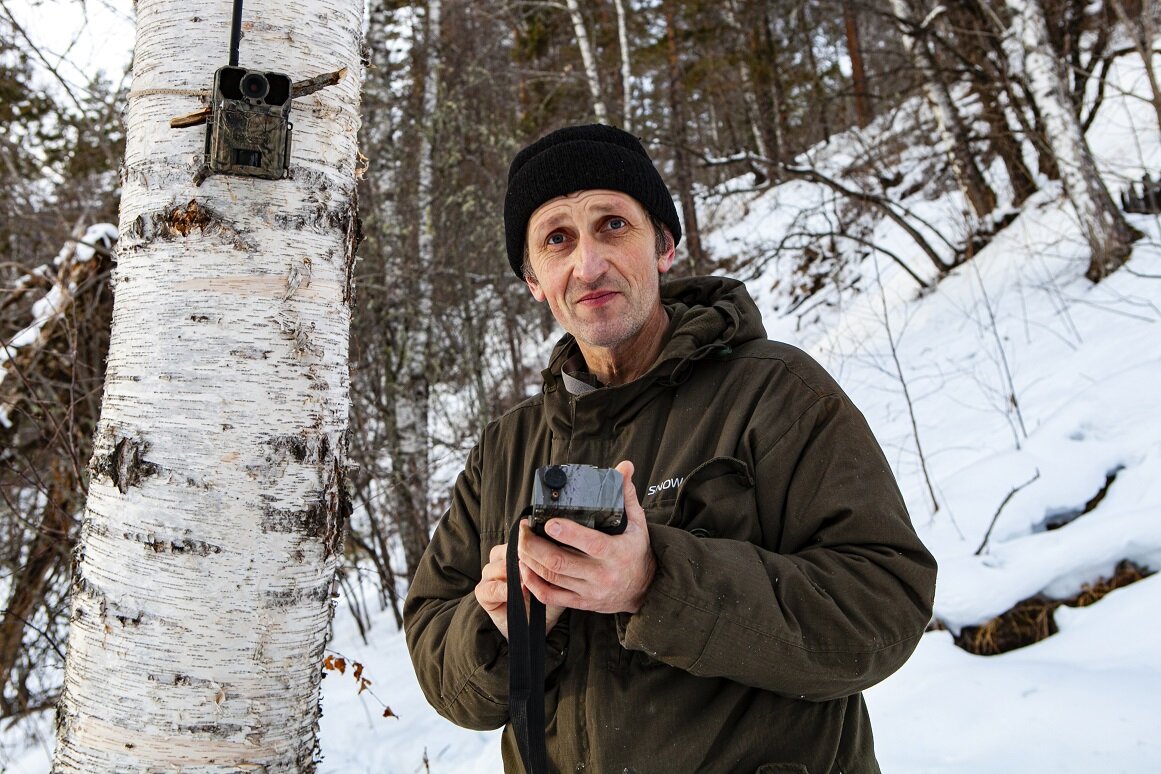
[[357, 739], [1085, 700]]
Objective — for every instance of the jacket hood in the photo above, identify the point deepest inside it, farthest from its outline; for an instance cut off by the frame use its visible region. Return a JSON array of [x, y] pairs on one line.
[[708, 316]]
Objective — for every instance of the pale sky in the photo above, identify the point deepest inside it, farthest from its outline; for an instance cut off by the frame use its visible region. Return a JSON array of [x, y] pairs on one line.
[[75, 37]]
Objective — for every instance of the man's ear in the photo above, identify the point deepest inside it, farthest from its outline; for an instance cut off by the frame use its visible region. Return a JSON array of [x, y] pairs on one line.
[[534, 287], [665, 260]]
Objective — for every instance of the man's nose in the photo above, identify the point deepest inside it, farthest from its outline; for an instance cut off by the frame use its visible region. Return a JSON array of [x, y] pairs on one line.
[[590, 259]]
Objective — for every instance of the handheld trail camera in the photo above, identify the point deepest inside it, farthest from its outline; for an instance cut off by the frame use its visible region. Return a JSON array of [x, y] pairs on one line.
[[249, 130], [588, 495]]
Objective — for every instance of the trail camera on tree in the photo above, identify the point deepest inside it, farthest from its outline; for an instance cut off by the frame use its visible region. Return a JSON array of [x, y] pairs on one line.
[[249, 129], [248, 119]]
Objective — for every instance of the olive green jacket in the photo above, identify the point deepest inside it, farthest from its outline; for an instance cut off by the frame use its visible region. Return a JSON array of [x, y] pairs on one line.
[[789, 577]]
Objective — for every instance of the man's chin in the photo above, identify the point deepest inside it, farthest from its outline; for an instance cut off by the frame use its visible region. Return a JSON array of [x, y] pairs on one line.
[[600, 336]]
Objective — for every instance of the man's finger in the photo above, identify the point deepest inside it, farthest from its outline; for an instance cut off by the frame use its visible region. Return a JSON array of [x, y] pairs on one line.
[[633, 509], [569, 533], [558, 566]]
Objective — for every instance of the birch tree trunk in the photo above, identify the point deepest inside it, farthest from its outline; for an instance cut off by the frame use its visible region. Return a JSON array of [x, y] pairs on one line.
[[1108, 235], [592, 76], [820, 106], [683, 175], [749, 89], [952, 131], [626, 67], [771, 90], [216, 508], [978, 42], [411, 468]]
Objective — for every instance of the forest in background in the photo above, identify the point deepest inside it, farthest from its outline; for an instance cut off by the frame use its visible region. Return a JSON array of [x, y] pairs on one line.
[[441, 329]]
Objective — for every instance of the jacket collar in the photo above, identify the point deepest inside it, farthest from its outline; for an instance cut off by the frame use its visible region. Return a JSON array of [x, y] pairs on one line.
[[708, 317]]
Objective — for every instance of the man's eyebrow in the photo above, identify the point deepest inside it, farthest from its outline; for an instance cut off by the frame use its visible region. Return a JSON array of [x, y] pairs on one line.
[[548, 223], [610, 207], [552, 221]]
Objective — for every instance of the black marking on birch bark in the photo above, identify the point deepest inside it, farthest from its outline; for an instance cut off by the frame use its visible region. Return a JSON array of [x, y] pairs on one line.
[[337, 499], [126, 620], [251, 353], [276, 598], [125, 465], [161, 545], [214, 731], [354, 237], [326, 514], [307, 522], [178, 678], [307, 449], [319, 219]]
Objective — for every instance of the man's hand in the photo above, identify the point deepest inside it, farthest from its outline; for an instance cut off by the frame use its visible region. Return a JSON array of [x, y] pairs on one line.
[[492, 592], [599, 572]]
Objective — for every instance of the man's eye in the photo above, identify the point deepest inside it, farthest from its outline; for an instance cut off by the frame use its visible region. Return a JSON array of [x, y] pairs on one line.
[[555, 239], [617, 223]]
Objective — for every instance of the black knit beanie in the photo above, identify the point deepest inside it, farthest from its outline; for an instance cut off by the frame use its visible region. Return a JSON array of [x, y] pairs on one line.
[[579, 158]]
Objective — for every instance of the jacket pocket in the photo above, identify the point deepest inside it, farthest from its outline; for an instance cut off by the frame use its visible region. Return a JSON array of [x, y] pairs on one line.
[[782, 768], [716, 500]]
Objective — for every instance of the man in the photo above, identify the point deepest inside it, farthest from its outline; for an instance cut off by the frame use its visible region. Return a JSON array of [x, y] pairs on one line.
[[768, 572]]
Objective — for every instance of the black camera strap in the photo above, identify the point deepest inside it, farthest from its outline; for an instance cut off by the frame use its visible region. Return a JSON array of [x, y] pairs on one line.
[[525, 663]]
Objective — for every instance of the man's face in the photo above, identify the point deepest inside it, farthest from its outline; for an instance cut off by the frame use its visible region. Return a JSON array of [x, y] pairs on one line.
[[595, 262]]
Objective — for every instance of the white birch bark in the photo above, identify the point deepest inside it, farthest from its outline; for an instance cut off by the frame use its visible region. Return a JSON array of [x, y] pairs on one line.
[[952, 131], [1108, 235], [626, 66], [209, 543], [590, 62]]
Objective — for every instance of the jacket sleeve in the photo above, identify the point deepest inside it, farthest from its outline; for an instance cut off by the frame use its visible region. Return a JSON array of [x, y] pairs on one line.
[[460, 657], [831, 599]]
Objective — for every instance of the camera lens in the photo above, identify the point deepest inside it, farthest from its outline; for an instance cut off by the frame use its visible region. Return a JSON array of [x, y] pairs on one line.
[[255, 85], [555, 477]]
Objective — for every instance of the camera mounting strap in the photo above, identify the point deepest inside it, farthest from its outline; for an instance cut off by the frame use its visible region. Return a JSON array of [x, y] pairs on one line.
[[525, 662]]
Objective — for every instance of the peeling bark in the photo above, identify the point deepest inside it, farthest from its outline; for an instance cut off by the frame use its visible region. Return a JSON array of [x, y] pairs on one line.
[[125, 466]]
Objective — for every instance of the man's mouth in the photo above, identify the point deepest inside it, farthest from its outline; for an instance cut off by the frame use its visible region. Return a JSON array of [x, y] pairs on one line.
[[597, 297]]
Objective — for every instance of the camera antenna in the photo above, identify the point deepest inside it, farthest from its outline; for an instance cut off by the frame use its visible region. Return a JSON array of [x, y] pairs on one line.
[[235, 33]]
